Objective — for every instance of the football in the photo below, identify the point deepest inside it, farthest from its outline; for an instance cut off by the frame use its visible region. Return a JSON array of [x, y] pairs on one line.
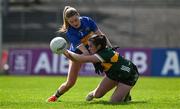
[[58, 45]]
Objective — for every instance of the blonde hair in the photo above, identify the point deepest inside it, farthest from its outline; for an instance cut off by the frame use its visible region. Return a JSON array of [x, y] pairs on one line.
[[67, 13]]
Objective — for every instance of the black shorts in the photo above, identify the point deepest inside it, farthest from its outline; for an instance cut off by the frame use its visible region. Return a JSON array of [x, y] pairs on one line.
[[128, 79]]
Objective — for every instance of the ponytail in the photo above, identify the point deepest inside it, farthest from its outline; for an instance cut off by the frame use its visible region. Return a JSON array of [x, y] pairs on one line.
[[67, 13]]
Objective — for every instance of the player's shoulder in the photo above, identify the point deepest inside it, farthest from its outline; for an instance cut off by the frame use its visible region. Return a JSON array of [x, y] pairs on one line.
[[104, 51], [85, 18]]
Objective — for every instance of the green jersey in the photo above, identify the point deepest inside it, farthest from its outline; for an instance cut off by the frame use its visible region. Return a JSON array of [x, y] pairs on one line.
[[116, 67]]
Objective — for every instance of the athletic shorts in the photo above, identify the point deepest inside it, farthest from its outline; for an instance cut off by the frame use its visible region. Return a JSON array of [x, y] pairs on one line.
[[129, 79]]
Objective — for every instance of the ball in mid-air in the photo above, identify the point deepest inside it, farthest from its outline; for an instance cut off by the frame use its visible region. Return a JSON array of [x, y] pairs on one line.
[[58, 45]]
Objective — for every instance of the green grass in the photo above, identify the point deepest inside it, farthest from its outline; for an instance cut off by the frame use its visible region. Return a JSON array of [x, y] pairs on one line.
[[30, 92]]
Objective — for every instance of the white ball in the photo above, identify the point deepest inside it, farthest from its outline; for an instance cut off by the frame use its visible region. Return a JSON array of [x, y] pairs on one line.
[[58, 45]]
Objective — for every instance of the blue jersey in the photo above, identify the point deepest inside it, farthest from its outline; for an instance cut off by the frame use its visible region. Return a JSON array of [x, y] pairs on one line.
[[76, 36]]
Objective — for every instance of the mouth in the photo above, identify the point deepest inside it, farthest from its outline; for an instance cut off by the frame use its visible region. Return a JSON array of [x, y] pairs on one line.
[[76, 26]]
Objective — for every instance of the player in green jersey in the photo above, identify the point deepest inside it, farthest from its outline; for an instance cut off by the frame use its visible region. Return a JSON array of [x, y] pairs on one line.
[[119, 72]]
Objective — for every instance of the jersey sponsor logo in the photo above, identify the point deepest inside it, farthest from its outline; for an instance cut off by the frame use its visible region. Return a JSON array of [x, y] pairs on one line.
[[125, 68], [140, 57]]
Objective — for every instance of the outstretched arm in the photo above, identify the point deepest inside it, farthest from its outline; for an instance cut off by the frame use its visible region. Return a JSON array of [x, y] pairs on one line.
[[83, 49], [80, 58]]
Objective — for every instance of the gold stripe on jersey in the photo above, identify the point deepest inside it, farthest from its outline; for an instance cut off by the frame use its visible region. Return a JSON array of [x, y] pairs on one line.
[[106, 66], [115, 57], [84, 40]]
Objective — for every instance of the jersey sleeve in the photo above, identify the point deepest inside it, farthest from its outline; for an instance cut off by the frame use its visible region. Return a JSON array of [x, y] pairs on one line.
[[93, 25], [104, 56]]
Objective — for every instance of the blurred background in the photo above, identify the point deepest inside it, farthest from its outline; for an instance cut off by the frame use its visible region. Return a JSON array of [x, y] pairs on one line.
[[147, 32]]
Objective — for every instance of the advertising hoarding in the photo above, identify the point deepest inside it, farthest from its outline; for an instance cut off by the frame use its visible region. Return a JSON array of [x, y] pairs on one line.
[[41, 61]]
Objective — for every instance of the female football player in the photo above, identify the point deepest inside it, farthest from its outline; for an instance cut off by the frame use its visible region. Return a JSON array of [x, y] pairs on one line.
[[78, 29], [119, 72]]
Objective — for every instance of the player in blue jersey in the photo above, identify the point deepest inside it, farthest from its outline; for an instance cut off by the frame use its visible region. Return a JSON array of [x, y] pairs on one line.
[[119, 72], [78, 29]]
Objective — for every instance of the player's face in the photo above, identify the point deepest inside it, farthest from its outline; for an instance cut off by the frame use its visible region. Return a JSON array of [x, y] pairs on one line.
[[74, 21], [92, 47]]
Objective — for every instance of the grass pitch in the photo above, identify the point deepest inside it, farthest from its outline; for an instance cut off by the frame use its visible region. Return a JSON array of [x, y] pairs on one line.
[[31, 92]]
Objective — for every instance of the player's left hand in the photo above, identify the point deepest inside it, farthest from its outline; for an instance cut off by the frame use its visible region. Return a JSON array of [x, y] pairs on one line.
[[98, 68]]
